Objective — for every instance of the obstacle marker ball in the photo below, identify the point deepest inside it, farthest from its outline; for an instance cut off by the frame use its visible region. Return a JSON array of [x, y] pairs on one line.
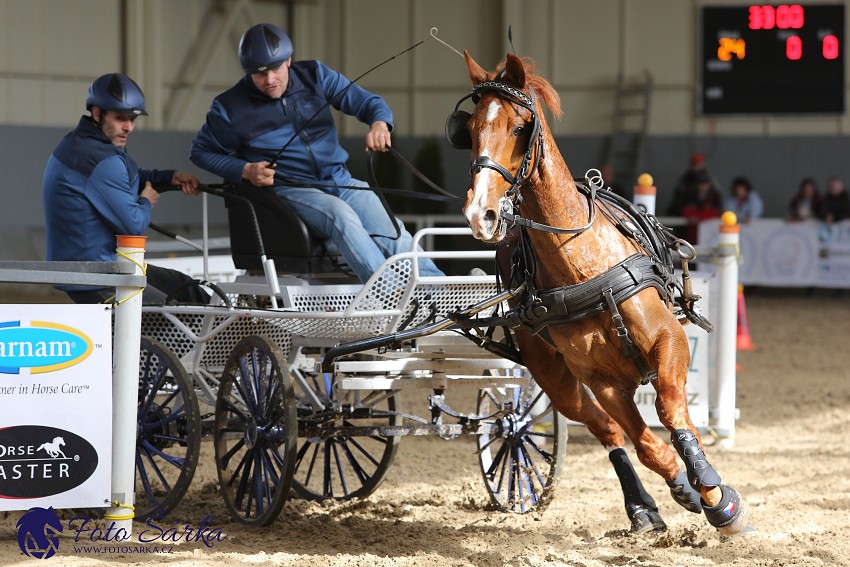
[[645, 193]]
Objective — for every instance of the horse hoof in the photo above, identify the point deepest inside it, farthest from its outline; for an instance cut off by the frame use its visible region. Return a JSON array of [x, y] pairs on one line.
[[646, 520], [684, 495], [730, 515]]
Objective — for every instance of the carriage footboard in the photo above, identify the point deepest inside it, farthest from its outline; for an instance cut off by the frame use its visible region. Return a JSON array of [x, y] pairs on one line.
[[395, 339]]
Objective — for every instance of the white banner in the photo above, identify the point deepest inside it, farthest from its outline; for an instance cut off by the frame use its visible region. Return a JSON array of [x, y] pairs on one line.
[[55, 406], [778, 253]]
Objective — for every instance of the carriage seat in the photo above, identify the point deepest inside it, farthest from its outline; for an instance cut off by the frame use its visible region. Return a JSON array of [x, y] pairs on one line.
[[286, 239]]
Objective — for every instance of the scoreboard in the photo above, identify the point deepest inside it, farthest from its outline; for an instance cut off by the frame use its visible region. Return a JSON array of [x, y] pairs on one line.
[[772, 59]]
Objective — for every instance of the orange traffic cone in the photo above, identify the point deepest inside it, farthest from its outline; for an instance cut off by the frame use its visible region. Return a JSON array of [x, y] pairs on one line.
[[744, 341]]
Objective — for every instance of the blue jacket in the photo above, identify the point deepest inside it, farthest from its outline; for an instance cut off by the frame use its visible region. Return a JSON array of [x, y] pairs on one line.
[[90, 192], [245, 126]]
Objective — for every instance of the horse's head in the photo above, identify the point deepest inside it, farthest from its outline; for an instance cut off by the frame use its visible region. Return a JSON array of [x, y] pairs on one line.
[[505, 134]]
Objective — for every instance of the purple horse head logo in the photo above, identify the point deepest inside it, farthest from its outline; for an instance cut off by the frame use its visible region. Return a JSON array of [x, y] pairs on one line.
[[38, 533]]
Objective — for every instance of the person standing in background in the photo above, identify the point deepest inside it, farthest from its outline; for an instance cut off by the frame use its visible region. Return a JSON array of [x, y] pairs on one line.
[[609, 178], [806, 203], [835, 206], [745, 201], [685, 192]]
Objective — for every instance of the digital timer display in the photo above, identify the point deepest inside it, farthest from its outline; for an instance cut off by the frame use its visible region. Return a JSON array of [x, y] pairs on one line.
[[772, 59]]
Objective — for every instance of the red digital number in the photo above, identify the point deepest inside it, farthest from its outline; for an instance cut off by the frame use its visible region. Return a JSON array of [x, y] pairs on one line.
[[830, 47], [789, 17], [784, 16], [756, 19], [768, 15], [794, 48]]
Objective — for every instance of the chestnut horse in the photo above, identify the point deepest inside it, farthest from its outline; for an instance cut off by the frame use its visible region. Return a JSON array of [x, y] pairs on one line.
[[623, 330]]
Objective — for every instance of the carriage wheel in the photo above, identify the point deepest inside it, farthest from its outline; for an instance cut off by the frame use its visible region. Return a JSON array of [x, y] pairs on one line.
[[342, 464], [255, 432], [521, 462], [168, 433]]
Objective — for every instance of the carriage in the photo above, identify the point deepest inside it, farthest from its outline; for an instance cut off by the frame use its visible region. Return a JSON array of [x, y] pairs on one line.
[[304, 379]]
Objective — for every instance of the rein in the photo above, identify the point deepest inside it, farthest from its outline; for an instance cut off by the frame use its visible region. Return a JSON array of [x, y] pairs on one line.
[[589, 192]]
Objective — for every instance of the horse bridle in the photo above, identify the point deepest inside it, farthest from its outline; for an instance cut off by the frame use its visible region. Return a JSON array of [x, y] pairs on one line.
[[459, 137]]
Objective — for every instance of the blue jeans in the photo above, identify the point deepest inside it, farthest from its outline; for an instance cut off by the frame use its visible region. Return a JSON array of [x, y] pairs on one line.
[[354, 220]]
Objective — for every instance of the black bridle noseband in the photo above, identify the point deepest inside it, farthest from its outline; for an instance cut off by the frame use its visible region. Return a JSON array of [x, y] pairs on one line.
[[459, 136]]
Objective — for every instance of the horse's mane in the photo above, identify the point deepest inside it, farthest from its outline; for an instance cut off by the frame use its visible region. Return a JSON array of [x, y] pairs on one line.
[[541, 86]]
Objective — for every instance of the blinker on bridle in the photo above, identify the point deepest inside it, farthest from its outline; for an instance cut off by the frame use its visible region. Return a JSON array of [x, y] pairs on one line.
[[459, 136]]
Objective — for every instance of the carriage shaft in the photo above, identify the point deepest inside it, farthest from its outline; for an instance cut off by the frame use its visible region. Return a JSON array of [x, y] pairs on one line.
[[446, 430]]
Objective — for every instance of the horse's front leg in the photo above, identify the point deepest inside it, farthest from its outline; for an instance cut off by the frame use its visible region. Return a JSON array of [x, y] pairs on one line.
[[721, 503], [617, 398]]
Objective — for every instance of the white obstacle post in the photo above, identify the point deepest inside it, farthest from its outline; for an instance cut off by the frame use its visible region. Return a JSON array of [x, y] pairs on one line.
[[645, 192], [727, 328], [125, 387]]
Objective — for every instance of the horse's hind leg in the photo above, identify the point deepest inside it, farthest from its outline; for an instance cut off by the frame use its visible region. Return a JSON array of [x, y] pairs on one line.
[[571, 399], [640, 506]]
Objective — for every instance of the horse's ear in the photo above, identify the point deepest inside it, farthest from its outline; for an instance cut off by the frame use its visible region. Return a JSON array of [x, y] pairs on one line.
[[476, 73], [514, 71]]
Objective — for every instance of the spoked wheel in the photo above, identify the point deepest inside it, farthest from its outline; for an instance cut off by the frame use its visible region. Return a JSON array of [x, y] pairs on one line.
[[342, 452], [255, 432], [168, 434], [522, 460]]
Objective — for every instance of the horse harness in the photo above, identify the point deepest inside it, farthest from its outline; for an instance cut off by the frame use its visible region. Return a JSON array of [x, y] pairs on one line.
[[538, 309]]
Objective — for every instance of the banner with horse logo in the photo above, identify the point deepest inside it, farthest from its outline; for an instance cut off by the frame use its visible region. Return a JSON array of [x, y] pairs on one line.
[[55, 406]]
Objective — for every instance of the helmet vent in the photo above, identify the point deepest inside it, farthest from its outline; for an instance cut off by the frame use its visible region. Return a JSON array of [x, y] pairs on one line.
[[115, 88], [271, 40]]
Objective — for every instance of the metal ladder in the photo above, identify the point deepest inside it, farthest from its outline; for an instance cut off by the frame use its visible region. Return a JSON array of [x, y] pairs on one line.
[[628, 130]]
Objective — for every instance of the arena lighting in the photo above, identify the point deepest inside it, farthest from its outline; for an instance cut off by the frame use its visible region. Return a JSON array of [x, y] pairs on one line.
[[772, 59]]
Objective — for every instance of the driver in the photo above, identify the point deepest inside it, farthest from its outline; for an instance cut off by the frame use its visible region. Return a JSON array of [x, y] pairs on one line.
[[281, 103], [94, 190]]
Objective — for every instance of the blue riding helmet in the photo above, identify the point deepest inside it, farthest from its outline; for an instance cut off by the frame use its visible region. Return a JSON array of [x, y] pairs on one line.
[[263, 47], [118, 93]]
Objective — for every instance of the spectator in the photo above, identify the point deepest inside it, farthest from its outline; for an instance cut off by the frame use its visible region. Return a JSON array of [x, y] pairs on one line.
[[745, 201], [609, 178], [93, 191], [685, 191], [281, 107], [705, 204], [835, 205], [806, 203]]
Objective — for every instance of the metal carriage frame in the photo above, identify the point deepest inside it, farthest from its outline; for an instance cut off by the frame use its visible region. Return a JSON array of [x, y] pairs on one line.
[[256, 379]]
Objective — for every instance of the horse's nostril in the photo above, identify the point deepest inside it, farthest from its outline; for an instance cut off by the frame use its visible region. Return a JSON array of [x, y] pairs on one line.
[[490, 216]]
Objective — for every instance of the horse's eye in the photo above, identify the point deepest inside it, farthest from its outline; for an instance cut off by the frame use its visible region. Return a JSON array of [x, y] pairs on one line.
[[519, 131]]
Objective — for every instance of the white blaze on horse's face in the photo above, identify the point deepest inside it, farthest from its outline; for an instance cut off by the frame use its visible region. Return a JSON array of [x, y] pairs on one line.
[[478, 212]]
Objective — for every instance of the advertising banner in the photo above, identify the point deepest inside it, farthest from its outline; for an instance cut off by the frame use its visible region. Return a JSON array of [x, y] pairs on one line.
[[778, 253], [55, 406]]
